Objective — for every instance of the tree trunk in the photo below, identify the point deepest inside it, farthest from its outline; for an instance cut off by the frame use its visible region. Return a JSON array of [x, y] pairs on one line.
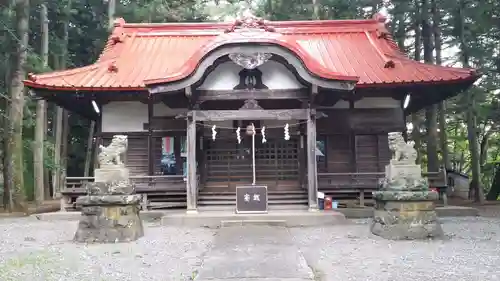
[[111, 13], [443, 137], [41, 118], [15, 141], [56, 176], [315, 9], [270, 9], [483, 149], [6, 168], [495, 185], [62, 124], [475, 186], [415, 120], [430, 112]]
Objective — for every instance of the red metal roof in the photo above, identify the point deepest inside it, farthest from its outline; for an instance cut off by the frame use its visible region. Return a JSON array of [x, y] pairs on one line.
[[137, 55]]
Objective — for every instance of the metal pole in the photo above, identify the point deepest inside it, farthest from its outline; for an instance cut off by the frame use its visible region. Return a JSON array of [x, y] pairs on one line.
[[253, 153]]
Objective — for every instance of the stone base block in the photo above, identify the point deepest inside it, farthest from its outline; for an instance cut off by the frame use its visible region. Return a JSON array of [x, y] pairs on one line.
[[401, 196], [113, 188], [111, 174], [109, 224], [406, 220], [111, 200], [396, 169]]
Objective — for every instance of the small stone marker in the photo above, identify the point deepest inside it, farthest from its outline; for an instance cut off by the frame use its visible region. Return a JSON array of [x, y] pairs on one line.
[[110, 211], [404, 206], [251, 199]]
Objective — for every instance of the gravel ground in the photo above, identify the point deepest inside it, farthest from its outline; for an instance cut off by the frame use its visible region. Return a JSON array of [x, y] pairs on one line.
[[470, 252], [37, 250]]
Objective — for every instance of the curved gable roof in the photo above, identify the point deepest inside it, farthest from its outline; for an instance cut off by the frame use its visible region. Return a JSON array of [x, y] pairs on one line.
[[138, 55]]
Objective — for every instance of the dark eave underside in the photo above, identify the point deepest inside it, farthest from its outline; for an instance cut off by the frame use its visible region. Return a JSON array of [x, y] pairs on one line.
[[422, 95]]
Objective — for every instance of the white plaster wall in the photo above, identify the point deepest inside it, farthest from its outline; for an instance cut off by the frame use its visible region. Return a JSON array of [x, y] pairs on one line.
[[274, 75], [130, 116], [377, 103]]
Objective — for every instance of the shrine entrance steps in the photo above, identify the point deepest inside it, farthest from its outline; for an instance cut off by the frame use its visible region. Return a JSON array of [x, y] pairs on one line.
[[278, 200]]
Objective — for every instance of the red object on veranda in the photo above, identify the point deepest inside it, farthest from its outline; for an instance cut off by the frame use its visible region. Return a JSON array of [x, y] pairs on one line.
[[328, 203]]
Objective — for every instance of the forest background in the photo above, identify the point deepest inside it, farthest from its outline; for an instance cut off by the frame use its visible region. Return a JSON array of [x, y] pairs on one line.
[[36, 36]]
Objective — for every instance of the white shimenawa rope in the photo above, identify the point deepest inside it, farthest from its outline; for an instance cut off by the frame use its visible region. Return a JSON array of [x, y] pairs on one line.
[[238, 135], [287, 132], [214, 132], [263, 132]]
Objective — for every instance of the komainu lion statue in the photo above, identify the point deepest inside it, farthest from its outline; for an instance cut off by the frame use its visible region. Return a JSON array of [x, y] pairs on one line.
[[111, 154], [401, 151]]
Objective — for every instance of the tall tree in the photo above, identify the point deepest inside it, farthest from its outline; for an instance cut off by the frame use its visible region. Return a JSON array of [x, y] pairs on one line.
[[430, 112], [15, 141], [7, 42], [41, 119], [443, 137], [315, 9], [415, 118], [475, 185]]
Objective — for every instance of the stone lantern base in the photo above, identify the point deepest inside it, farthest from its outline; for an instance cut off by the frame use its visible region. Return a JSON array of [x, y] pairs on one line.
[[405, 215], [109, 219]]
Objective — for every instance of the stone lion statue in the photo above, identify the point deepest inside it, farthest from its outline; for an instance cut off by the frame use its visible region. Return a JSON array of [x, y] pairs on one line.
[[401, 150], [111, 154]]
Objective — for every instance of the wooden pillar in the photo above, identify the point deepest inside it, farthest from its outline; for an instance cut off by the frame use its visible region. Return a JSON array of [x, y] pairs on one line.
[[90, 146], [98, 142], [151, 155], [312, 169], [352, 137], [56, 175], [302, 160], [177, 153], [405, 128], [192, 183]]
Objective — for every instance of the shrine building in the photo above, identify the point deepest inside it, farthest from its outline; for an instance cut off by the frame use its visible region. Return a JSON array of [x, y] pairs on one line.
[[321, 95]]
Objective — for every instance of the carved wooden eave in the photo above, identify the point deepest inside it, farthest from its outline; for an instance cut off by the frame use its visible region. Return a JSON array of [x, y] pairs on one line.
[[249, 94], [249, 114]]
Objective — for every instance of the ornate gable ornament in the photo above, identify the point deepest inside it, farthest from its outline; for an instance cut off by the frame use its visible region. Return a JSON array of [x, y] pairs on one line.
[[249, 22], [251, 104], [250, 60]]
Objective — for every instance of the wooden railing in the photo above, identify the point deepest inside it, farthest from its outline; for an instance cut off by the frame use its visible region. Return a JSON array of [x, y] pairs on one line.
[[347, 185], [341, 185], [147, 186], [439, 181]]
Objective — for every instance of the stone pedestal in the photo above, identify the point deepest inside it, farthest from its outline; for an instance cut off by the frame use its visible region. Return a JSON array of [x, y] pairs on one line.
[[111, 173], [404, 205], [110, 211], [109, 219], [405, 215]]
